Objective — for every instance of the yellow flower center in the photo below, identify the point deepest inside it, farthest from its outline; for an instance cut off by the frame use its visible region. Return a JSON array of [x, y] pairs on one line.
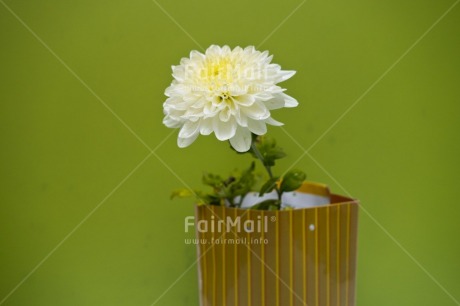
[[217, 75]]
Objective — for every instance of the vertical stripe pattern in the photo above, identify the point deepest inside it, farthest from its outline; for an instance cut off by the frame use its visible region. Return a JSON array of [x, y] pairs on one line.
[[302, 257]]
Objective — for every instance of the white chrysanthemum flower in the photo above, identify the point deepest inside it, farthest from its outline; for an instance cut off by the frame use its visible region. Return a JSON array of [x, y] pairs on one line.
[[228, 92]]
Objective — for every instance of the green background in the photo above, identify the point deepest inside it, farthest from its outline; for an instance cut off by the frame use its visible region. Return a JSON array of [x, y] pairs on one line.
[[79, 227]]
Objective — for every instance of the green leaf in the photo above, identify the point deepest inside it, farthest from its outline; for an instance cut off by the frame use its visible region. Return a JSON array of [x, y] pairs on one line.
[[268, 149], [268, 186], [271, 204], [212, 180], [244, 184], [213, 199], [276, 153], [266, 141], [292, 180]]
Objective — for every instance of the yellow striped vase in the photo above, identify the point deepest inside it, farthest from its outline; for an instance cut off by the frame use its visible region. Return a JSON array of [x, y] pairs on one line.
[[298, 257]]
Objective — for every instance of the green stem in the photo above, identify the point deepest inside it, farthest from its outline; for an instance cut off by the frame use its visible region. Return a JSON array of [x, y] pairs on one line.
[[268, 168], [261, 158], [241, 200]]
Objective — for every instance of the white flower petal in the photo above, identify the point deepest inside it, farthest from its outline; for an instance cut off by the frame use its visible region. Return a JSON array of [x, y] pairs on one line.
[[224, 115], [191, 99], [172, 112], [178, 73], [289, 101], [256, 111], [285, 74], [226, 50], [171, 123], [268, 59], [210, 110], [175, 103], [263, 96], [281, 100], [275, 103], [264, 55], [275, 89], [184, 61], [237, 90], [213, 50], [237, 49], [199, 104], [241, 119], [273, 122], [249, 49], [244, 100], [192, 113], [241, 142], [224, 130], [257, 127], [196, 56], [177, 90], [189, 129], [185, 142], [206, 126]]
